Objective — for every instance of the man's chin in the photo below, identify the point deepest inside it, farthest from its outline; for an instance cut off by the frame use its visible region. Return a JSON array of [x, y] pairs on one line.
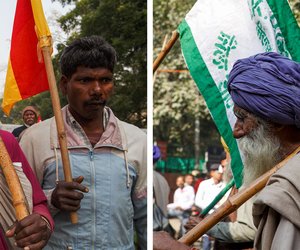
[[94, 108], [92, 113], [29, 123]]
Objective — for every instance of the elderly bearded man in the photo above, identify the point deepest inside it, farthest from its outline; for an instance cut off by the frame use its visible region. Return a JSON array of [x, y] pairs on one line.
[[265, 89]]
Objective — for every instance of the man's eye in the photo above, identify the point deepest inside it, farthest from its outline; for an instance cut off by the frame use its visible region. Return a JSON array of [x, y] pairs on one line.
[[85, 80], [106, 80], [239, 116]]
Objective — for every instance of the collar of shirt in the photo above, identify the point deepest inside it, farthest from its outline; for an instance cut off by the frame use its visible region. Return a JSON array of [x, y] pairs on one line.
[[212, 182], [79, 130]]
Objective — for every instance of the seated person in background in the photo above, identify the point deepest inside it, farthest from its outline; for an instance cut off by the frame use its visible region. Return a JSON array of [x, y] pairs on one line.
[[210, 188], [183, 200], [189, 180]]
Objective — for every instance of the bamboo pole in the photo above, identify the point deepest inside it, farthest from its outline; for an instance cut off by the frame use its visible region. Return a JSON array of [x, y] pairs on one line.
[[59, 121], [232, 203], [13, 182], [165, 50], [162, 48], [45, 44]]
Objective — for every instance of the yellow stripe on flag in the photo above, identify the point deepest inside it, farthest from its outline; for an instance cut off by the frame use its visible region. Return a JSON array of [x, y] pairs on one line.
[[43, 31], [11, 91]]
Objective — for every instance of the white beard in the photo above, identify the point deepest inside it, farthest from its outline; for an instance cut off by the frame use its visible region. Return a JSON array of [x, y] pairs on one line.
[[260, 150]]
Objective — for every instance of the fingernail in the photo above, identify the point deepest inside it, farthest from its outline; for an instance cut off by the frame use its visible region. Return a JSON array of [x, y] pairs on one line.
[[86, 190], [26, 248], [15, 243]]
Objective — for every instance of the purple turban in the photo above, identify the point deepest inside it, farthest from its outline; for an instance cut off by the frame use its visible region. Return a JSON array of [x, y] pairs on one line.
[[267, 85], [156, 154]]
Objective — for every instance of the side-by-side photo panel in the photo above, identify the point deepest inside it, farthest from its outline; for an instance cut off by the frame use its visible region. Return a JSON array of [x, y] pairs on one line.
[[226, 130], [73, 132]]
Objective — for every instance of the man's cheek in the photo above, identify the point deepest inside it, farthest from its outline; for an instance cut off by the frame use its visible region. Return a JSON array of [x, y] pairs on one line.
[[108, 91]]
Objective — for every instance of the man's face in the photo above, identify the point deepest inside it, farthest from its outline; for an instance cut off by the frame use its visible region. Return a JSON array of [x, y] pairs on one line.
[[87, 91], [180, 182], [29, 118], [245, 122], [258, 144], [189, 180], [216, 175]]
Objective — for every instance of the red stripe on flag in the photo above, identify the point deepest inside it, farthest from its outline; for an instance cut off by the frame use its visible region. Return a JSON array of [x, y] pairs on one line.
[[29, 73]]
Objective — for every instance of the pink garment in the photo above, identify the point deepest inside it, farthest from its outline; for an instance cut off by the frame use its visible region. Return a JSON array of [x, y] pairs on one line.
[[38, 197], [3, 244]]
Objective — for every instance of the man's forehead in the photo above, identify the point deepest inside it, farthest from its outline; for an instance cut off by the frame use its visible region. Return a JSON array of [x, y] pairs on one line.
[[27, 112], [82, 68]]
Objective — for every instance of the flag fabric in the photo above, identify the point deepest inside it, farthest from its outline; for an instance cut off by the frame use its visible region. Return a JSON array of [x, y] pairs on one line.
[[216, 33], [26, 74]]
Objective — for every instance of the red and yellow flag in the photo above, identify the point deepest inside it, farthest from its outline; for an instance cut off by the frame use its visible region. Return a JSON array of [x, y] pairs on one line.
[[26, 74]]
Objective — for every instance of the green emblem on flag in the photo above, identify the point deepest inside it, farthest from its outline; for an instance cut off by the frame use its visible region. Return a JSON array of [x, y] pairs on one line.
[[222, 86], [226, 44], [256, 8], [261, 16], [281, 45], [263, 37]]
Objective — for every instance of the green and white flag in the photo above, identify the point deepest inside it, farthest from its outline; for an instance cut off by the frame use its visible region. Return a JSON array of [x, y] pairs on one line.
[[216, 33]]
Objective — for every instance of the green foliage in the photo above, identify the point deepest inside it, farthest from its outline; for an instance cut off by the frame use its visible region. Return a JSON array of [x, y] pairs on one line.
[[295, 5], [177, 103], [124, 25]]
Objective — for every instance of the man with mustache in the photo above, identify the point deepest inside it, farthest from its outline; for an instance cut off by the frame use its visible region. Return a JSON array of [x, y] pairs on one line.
[[265, 89], [108, 157], [30, 117]]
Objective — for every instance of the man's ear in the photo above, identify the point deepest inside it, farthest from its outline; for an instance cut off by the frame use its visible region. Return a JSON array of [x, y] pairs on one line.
[[63, 84]]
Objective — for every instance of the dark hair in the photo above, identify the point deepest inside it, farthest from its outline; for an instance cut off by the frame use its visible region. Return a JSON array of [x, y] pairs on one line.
[[90, 52]]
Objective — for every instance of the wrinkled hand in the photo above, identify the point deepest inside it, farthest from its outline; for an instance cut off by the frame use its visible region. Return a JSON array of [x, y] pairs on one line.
[[192, 222], [30, 233], [68, 195], [163, 241]]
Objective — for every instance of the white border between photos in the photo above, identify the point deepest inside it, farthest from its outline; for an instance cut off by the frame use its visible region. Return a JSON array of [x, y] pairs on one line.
[[149, 124]]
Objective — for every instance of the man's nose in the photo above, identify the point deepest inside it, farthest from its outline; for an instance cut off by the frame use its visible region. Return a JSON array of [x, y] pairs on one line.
[[96, 87]]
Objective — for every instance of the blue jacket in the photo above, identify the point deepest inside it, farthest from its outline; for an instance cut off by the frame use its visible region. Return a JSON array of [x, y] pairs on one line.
[[114, 170]]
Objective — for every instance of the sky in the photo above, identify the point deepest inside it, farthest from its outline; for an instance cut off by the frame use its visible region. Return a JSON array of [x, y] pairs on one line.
[[51, 10]]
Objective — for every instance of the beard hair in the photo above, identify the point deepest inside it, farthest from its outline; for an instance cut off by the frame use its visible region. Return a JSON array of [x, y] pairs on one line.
[[261, 151]]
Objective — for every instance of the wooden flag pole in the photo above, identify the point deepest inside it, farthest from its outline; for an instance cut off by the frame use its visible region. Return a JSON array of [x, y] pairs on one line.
[[45, 43], [162, 48], [165, 50], [232, 204], [13, 182], [59, 121]]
